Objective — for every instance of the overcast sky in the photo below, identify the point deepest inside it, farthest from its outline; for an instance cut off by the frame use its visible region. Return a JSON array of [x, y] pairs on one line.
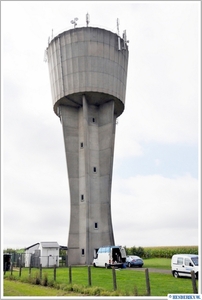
[[155, 190]]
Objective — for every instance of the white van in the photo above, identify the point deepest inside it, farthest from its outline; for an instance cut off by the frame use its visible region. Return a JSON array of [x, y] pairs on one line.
[[109, 256], [183, 264]]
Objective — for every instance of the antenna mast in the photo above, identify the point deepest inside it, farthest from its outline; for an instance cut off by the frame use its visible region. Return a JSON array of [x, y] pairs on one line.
[[87, 19], [117, 22], [125, 39], [74, 22], [119, 40]]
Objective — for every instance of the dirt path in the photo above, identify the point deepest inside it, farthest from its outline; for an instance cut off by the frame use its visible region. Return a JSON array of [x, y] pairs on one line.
[[152, 270]]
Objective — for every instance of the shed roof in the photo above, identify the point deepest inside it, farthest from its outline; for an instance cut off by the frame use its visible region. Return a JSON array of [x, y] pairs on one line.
[[49, 245], [31, 246]]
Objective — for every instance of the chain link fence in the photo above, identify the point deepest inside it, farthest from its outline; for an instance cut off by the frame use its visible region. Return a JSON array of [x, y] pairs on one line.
[[34, 260]]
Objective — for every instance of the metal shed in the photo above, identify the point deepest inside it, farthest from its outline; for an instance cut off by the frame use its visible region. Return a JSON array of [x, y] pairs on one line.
[[44, 253]]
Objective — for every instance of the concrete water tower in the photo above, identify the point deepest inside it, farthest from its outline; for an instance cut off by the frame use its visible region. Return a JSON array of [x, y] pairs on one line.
[[88, 71]]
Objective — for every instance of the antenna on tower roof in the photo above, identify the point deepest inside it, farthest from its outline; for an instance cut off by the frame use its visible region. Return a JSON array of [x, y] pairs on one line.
[[45, 55], [87, 19], [119, 40], [125, 40], [117, 23], [74, 22]]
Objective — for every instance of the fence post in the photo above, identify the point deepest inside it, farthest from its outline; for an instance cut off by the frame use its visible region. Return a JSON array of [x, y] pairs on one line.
[[194, 282], [89, 276], [147, 282], [11, 268], [114, 278], [40, 271], [70, 274], [54, 272], [30, 269], [5, 267], [20, 270]]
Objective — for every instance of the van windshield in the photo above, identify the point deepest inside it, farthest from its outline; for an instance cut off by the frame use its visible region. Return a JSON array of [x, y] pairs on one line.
[[195, 260]]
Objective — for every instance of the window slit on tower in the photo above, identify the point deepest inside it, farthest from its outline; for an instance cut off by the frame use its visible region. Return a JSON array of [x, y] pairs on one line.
[[93, 120], [96, 225], [82, 252], [82, 197], [94, 169], [81, 144]]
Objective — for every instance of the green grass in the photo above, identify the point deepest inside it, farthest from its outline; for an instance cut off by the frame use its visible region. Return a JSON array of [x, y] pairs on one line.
[[158, 263], [129, 282], [16, 288]]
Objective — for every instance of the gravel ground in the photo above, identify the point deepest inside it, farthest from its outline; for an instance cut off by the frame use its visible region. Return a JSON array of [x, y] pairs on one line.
[[151, 270]]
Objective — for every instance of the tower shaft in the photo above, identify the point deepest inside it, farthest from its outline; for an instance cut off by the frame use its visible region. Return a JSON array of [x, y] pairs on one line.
[[89, 133]]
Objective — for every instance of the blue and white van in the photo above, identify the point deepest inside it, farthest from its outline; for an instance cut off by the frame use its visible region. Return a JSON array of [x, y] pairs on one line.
[[183, 264], [109, 256]]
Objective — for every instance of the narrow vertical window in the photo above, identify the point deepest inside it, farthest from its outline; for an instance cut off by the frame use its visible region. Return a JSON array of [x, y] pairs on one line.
[[93, 120], [94, 169], [96, 225], [82, 252], [82, 197], [81, 144]]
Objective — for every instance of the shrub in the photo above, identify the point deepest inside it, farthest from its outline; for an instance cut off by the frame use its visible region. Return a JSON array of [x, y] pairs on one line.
[[96, 291], [135, 251], [11, 277], [161, 252], [168, 252], [51, 283], [76, 288], [66, 287], [45, 280], [106, 293], [36, 279]]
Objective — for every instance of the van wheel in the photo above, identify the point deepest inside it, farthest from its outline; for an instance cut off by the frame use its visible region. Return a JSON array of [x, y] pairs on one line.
[[106, 266], [175, 274], [94, 265]]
